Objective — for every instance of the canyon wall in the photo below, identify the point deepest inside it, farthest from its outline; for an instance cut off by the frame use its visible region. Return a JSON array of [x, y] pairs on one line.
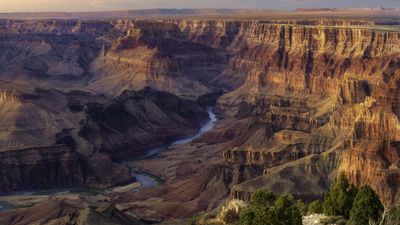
[[54, 139], [359, 71], [135, 122], [24, 167], [302, 103], [319, 92], [156, 55], [302, 98]]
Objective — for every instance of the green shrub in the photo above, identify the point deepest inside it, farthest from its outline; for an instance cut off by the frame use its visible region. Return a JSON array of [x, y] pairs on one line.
[[337, 220], [262, 198], [315, 207], [248, 217], [287, 211], [302, 207], [366, 207], [266, 209], [338, 201]]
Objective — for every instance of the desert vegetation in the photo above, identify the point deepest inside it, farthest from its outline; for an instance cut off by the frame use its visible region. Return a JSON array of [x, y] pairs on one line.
[[342, 204]]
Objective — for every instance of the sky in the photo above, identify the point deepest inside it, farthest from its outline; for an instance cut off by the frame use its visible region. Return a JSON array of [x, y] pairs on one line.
[[100, 5]]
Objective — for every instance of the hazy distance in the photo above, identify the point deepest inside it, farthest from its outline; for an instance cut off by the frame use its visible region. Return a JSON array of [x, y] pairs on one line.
[[108, 5]]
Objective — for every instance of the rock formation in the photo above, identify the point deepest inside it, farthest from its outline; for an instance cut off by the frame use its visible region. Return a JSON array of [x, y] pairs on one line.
[[317, 93], [156, 55], [69, 211], [311, 95], [135, 122]]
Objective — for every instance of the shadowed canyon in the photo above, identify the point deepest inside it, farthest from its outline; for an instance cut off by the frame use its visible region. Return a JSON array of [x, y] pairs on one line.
[[143, 121]]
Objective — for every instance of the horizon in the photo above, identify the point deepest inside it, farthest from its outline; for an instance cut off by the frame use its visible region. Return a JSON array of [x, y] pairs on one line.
[[72, 6], [155, 8], [177, 8]]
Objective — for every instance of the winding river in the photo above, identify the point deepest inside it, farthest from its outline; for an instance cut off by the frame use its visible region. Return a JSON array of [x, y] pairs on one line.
[[145, 180], [204, 129], [5, 206]]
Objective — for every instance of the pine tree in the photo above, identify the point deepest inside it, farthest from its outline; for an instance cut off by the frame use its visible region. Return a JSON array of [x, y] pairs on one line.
[[315, 207], [262, 198], [266, 209], [366, 207], [287, 212], [339, 199]]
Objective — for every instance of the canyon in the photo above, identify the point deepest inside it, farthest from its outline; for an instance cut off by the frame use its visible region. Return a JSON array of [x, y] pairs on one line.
[[297, 100]]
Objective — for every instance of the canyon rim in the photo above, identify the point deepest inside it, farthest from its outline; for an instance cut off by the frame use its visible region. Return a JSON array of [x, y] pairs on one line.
[[154, 116]]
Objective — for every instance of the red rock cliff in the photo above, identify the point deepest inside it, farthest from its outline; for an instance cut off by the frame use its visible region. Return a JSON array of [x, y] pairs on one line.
[[319, 91]]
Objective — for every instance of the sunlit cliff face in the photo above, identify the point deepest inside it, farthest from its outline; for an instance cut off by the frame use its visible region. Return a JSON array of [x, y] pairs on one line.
[[317, 93]]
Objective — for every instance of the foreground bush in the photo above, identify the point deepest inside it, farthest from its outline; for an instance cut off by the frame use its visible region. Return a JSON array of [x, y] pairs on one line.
[[267, 209], [366, 207], [302, 207], [315, 207], [337, 220], [338, 201]]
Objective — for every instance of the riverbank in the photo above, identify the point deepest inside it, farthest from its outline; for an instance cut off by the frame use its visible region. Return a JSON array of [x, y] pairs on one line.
[[209, 125], [148, 180], [144, 180]]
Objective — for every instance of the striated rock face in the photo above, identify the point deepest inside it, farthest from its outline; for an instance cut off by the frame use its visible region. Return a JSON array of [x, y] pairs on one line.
[[10, 96], [23, 168], [57, 166], [375, 163], [40, 148], [135, 122], [156, 55], [310, 93], [299, 58], [348, 78], [46, 59], [56, 27], [77, 141], [73, 210]]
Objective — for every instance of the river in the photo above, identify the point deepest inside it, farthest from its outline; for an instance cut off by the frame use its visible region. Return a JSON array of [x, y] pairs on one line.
[[204, 129], [147, 181], [5, 206]]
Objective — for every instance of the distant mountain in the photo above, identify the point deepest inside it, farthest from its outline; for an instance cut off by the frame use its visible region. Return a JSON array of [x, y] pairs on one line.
[[143, 13], [171, 13], [345, 9]]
